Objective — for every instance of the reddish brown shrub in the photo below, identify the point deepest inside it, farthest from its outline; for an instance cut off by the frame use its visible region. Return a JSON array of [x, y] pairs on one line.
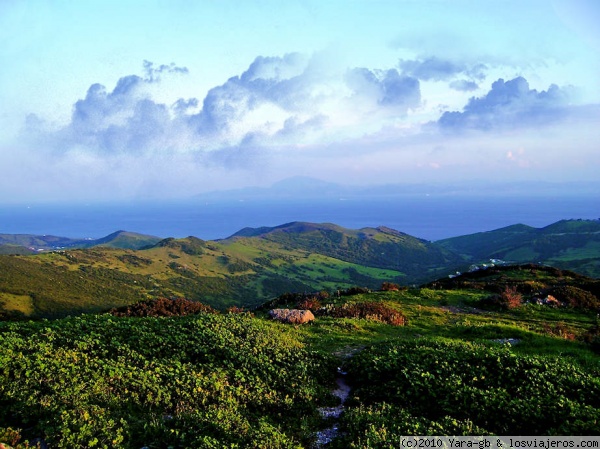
[[576, 297], [238, 310], [370, 310], [390, 287], [510, 298], [311, 303], [162, 307]]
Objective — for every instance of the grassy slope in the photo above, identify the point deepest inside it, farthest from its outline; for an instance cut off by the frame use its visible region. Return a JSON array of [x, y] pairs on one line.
[[23, 243], [164, 353], [570, 244], [259, 264], [244, 272], [375, 247]]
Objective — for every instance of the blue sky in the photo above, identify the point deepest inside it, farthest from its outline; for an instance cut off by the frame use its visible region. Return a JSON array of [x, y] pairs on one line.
[[164, 99]]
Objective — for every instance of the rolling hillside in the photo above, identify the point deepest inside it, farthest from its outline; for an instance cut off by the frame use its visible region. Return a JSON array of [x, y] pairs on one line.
[[257, 264], [357, 377], [240, 270], [569, 244], [375, 247]]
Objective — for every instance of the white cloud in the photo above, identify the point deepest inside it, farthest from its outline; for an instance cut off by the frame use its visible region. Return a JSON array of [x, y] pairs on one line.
[[295, 115]]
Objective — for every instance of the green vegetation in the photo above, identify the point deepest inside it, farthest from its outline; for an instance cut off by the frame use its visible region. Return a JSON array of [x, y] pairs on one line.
[[567, 244], [373, 247], [200, 381], [430, 360], [437, 387], [29, 244], [243, 272], [501, 350], [256, 265]]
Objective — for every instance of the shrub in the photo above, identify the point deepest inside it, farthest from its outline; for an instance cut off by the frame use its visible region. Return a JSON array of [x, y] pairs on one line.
[[576, 297], [355, 291], [481, 389], [559, 330], [238, 310], [510, 298], [311, 303], [390, 287], [162, 307], [592, 337], [210, 381], [11, 439], [370, 310]]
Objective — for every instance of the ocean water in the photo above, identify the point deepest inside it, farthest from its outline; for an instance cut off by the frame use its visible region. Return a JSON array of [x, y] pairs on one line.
[[431, 218]]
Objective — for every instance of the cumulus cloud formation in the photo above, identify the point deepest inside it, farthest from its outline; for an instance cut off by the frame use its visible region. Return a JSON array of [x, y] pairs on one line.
[[437, 69], [464, 85], [123, 120], [282, 113], [388, 88], [510, 104], [276, 100]]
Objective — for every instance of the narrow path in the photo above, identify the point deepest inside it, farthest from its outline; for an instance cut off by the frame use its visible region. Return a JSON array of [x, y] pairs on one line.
[[342, 391]]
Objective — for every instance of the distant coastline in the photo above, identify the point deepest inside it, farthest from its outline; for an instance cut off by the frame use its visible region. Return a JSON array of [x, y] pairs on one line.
[[427, 217]]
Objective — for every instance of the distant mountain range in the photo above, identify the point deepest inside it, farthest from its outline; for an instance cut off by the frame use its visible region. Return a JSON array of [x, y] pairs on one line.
[[257, 264], [305, 187]]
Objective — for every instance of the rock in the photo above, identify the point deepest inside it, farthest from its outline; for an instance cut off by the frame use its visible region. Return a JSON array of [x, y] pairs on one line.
[[292, 316]]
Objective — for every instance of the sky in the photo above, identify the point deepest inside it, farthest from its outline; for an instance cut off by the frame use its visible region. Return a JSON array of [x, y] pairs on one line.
[[126, 99]]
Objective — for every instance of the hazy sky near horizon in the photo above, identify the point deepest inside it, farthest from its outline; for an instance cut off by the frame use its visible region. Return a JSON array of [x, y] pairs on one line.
[[161, 99]]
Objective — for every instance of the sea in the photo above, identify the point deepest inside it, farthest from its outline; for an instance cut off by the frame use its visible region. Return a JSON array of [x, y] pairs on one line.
[[427, 217]]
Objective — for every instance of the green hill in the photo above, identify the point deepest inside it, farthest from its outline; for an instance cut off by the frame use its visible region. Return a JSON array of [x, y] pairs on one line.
[[240, 271], [256, 265], [122, 239], [374, 247], [569, 244], [7, 248]]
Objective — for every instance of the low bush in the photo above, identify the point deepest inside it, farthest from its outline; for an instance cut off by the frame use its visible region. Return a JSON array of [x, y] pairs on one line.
[[204, 381], [509, 298], [559, 330], [236, 310], [311, 303], [390, 287], [576, 297], [370, 310], [355, 291], [162, 307], [451, 386]]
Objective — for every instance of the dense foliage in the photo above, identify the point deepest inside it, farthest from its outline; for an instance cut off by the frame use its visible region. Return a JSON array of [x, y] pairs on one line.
[[419, 360], [208, 381], [457, 388], [381, 247], [162, 307], [370, 310]]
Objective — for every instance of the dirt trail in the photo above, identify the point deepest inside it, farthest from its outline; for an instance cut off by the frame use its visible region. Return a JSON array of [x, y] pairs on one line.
[[342, 391]]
